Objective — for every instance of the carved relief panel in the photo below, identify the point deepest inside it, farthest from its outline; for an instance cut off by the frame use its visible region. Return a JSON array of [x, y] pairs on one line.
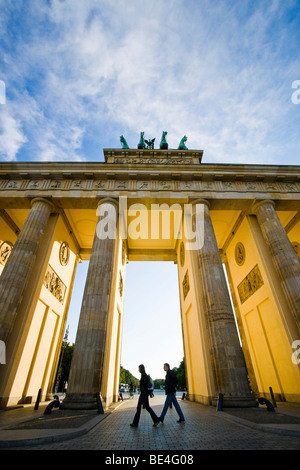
[[252, 282], [54, 284]]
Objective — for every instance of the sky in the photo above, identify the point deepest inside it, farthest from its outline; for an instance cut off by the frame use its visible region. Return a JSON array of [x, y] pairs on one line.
[[152, 332], [75, 75]]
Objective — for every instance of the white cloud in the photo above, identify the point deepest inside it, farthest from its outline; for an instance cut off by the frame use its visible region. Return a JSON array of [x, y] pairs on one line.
[[216, 74], [11, 135]]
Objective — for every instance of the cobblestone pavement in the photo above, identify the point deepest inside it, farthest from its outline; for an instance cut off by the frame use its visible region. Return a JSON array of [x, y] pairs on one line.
[[204, 429]]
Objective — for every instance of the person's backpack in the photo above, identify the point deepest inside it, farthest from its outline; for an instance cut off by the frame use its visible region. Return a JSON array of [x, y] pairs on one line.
[[150, 386], [174, 378]]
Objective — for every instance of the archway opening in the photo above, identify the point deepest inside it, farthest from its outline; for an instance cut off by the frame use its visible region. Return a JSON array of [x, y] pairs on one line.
[[152, 333]]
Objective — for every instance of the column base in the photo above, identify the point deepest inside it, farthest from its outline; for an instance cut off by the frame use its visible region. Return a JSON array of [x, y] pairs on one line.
[[204, 400], [236, 402], [79, 401]]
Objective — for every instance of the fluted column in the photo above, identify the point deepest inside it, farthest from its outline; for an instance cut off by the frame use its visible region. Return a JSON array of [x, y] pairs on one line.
[[285, 259], [88, 359], [17, 270], [226, 356]]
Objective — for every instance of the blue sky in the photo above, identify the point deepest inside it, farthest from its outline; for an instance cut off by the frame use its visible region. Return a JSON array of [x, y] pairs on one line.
[[151, 320], [78, 74]]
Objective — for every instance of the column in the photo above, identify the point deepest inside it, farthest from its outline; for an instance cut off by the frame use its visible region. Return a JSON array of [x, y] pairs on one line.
[[284, 257], [87, 366], [226, 356], [17, 270]]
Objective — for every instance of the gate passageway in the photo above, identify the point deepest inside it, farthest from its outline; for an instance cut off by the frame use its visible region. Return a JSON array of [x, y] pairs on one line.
[[205, 428]]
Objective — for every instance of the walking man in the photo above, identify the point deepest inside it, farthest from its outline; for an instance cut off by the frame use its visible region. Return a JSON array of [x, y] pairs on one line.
[[144, 399], [170, 389]]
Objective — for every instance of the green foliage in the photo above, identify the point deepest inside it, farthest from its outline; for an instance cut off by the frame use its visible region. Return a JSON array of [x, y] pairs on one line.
[[65, 360], [158, 383], [180, 372], [127, 378]]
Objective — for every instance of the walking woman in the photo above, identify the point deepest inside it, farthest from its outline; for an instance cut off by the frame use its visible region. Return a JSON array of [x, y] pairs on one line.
[[144, 399]]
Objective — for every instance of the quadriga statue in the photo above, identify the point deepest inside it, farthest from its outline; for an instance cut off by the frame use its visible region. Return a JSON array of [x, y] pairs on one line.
[[163, 142], [182, 145]]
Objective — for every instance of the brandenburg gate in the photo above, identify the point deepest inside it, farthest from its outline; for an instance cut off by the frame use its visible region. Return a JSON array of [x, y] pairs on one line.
[[239, 282]]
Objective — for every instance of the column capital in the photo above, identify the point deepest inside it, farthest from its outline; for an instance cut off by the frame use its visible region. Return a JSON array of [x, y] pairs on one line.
[[200, 201], [257, 203], [41, 199]]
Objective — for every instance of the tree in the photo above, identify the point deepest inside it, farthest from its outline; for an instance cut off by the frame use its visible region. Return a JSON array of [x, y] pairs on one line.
[[180, 372], [158, 383], [65, 360], [127, 378]]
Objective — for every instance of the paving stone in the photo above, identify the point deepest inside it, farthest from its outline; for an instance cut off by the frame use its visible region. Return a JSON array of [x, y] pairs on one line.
[[204, 429]]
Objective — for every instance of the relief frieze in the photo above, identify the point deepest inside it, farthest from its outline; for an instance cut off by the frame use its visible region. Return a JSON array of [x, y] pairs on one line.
[[55, 184], [101, 184], [54, 284], [186, 284], [187, 185], [121, 284], [121, 184], [154, 185], [166, 185], [13, 184], [155, 160], [144, 185], [250, 284], [79, 184], [207, 186], [229, 185]]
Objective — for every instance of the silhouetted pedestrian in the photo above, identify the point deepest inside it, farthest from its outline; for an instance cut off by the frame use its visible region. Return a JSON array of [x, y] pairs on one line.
[[170, 389], [144, 399]]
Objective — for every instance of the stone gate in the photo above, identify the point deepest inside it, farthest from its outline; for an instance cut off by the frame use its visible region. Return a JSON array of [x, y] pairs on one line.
[[142, 205]]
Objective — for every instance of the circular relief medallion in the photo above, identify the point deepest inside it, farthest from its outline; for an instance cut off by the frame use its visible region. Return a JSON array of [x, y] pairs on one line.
[[182, 254], [240, 254], [121, 285], [123, 253], [5, 251], [64, 253]]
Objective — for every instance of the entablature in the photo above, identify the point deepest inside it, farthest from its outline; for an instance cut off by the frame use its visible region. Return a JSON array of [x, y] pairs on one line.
[[81, 184]]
